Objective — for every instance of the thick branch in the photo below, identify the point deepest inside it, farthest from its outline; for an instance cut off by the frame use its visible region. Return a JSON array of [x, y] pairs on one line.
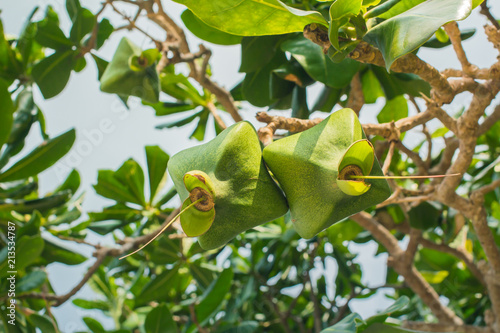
[[412, 277]]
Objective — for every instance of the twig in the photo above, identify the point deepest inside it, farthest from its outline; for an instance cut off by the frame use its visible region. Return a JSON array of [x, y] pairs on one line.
[[412, 277], [431, 327], [356, 98], [388, 158], [486, 12], [454, 34]]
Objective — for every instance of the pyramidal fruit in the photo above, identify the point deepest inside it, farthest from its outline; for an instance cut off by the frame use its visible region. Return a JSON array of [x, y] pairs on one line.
[[230, 169], [314, 169], [132, 72]]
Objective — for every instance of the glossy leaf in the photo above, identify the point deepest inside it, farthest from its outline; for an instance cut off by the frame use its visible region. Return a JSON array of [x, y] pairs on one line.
[[6, 110], [168, 108], [40, 158], [394, 109], [203, 31], [401, 303], [71, 183], [157, 161], [244, 17], [52, 73], [28, 249], [31, 281], [158, 288], [160, 320], [424, 216], [434, 277], [399, 7], [327, 99], [91, 305], [257, 52], [340, 12], [383, 328], [435, 43], [110, 187], [371, 87], [49, 34], [131, 175], [104, 30], [53, 252], [82, 25], [93, 325], [346, 325], [42, 204], [317, 65], [397, 36], [44, 323], [214, 295]]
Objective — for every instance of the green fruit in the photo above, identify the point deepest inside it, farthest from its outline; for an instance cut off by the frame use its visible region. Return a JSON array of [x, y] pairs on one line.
[[306, 166], [132, 72], [245, 195]]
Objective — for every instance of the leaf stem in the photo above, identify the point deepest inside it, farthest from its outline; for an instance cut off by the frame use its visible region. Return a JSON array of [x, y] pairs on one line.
[[164, 228], [404, 177]]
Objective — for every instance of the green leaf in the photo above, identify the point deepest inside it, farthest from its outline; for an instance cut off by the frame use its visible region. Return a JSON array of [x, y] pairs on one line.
[[256, 86], [40, 158], [327, 99], [49, 34], [31, 281], [157, 161], [206, 32], [168, 108], [394, 109], [53, 252], [398, 305], [371, 87], [180, 122], [434, 42], [43, 323], [395, 84], [434, 277], [28, 249], [214, 295], [52, 73], [110, 187], [397, 36], [91, 305], [399, 7], [245, 17], [346, 325], [41, 204], [160, 320], [94, 325], [257, 52], [104, 30], [131, 175], [424, 216], [158, 288], [340, 12], [73, 7], [299, 103], [71, 183], [101, 65], [82, 25], [318, 65], [6, 110], [200, 129]]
